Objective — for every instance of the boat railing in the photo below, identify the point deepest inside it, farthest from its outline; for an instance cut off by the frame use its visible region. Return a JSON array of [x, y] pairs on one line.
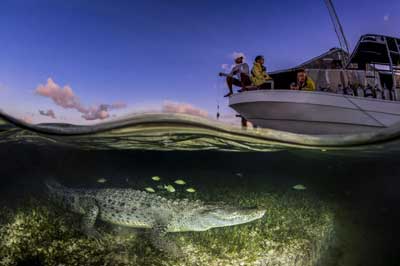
[[368, 91]]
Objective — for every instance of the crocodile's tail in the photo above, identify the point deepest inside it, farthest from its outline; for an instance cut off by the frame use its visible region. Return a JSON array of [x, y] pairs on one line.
[[62, 196]]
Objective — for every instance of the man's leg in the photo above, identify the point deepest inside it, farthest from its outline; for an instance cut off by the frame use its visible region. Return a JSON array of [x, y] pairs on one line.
[[245, 81], [244, 123], [230, 81]]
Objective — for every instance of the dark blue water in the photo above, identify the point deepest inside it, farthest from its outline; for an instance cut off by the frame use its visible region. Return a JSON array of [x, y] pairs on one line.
[[360, 194]]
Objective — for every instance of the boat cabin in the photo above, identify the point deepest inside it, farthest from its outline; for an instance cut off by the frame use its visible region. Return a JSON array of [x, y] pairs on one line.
[[374, 65]]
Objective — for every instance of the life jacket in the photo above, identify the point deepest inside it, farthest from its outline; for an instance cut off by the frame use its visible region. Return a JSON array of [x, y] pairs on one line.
[[259, 74], [308, 85]]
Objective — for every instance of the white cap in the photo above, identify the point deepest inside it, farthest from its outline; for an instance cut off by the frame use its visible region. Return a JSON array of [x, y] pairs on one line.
[[237, 55]]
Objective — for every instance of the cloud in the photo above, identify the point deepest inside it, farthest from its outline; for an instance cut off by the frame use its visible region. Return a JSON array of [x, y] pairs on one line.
[[66, 98], [183, 108], [63, 97], [386, 17], [97, 112], [27, 119], [49, 113], [225, 67]]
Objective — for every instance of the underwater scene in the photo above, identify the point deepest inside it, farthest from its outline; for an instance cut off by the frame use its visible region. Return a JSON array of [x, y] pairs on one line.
[[211, 201], [204, 133]]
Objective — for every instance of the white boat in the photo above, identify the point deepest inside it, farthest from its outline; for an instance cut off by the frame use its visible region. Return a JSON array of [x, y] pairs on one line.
[[372, 70], [315, 112]]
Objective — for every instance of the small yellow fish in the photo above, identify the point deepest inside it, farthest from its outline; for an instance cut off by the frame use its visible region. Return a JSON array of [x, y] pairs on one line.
[[156, 178], [299, 187], [170, 188], [191, 190], [101, 180], [180, 182], [149, 189]]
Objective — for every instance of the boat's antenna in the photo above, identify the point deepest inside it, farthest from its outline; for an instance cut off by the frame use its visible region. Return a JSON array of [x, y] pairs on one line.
[[339, 31]]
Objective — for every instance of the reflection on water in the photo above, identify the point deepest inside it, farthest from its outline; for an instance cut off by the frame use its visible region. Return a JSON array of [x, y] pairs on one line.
[[166, 132]]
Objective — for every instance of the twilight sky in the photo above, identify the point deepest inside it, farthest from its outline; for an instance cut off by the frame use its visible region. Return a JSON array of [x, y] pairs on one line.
[[82, 60]]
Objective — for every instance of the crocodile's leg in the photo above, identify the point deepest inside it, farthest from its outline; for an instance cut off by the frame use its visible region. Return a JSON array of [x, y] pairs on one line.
[[91, 211], [160, 241]]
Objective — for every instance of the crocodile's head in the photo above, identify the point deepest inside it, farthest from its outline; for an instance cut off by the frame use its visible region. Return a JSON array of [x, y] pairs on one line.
[[213, 216]]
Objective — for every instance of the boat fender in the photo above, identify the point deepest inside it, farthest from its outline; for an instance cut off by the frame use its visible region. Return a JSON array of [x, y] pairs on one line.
[[368, 93], [360, 91]]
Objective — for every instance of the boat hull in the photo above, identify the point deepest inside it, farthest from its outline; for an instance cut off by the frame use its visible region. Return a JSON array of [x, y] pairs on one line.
[[315, 112]]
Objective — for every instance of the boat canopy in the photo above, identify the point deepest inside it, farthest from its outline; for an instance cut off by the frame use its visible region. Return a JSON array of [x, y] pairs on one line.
[[331, 59], [375, 50]]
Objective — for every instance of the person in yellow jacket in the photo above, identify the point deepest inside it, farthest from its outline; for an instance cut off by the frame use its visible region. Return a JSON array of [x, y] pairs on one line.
[[304, 82], [259, 76]]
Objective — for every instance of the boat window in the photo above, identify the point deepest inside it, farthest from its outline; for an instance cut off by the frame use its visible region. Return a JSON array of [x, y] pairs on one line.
[[392, 44]]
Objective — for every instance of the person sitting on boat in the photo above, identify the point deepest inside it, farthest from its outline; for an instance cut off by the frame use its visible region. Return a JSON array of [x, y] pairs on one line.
[[241, 71], [259, 75], [304, 82]]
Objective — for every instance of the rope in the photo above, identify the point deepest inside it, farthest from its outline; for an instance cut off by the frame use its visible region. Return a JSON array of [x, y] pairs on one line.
[[362, 110]]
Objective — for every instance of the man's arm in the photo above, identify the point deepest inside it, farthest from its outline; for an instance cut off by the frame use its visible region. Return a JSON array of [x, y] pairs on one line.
[[267, 77], [234, 70], [294, 86], [257, 72]]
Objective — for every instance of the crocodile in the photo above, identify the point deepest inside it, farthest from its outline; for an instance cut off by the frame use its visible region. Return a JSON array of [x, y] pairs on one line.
[[139, 209]]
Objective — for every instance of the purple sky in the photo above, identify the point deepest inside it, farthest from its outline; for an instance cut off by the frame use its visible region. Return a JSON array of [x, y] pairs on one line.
[[145, 53]]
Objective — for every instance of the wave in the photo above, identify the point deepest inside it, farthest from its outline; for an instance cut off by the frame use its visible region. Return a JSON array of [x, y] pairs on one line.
[[172, 131]]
